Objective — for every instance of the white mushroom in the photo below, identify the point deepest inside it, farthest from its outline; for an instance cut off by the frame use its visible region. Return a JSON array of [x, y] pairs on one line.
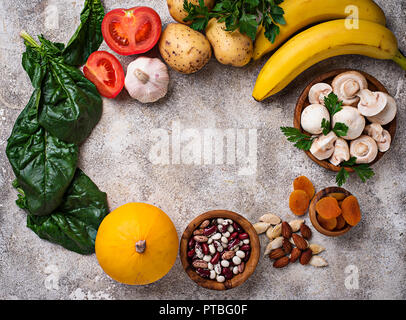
[[347, 85], [371, 103], [351, 117], [147, 79], [323, 146], [381, 136], [318, 92], [364, 149], [387, 114], [312, 116], [341, 152]]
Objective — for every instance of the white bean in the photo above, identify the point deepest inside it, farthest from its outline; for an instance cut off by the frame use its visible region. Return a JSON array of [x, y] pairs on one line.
[[246, 241], [226, 234], [230, 221], [225, 263], [235, 270], [230, 229], [217, 268], [224, 240], [210, 266], [240, 254], [212, 274], [212, 248], [210, 241], [216, 236], [236, 260], [207, 258], [220, 221], [220, 279]]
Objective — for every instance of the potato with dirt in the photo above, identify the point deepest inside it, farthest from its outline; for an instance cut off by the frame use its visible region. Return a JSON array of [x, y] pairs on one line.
[[230, 48], [178, 13], [184, 49]]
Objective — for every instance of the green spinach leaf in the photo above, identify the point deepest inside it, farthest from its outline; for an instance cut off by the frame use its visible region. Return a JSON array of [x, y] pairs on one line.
[[74, 224], [70, 105], [43, 164], [88, 37]]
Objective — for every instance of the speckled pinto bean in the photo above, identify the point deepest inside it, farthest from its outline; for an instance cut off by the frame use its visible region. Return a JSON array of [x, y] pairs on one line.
[[219, 249]]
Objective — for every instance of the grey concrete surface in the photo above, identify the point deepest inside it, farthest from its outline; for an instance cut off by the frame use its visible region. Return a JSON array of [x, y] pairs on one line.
[[117, 157]]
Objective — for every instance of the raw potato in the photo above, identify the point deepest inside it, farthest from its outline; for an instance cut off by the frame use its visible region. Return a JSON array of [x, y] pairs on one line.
[[231, 48], [184, 49], [178, 13]]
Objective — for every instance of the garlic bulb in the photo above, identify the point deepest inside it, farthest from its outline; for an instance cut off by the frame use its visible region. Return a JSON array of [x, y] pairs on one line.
[[147, 79]]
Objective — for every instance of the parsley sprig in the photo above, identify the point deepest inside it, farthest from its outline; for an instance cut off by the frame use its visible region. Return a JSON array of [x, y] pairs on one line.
[[302, 141], [363, 171], [246, 15]]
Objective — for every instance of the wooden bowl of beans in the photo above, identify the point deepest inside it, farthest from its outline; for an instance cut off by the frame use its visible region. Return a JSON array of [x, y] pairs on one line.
[[219, 250]]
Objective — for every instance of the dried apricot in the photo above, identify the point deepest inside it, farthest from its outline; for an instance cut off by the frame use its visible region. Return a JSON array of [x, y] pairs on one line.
[[328, 208], [299, 202], [338, 195], [303, 183], [351, 210], [340, 222], [329, 224]]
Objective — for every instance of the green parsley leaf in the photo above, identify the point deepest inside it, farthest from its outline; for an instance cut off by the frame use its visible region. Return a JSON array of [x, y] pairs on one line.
[[301, 140], [332, 104], [326, 126], [245, 15], [364, 171], [340, 129]]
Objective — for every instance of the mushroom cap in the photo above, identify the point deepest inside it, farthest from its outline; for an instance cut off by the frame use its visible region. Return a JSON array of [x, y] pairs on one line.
[[387, 114], [312, 117], [318, 92], [341, 152], [364, 149], [323, 146], [351, 117], [347, 85], [371, 103], [381, 136]]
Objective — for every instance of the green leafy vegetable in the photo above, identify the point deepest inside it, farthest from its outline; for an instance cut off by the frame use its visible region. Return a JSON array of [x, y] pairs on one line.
[[70, 104], [43, 164], [245, 15], [74, 223], [326, 126], [340, 129], [301, 140], [333, 104], [363, 171], [88, 37]]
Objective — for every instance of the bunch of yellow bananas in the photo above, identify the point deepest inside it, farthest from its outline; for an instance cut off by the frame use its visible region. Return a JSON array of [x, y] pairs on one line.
[[359, 29]]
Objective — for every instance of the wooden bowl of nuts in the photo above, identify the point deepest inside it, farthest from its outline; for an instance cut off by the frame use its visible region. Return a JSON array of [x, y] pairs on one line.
[[334, 211], [219, 250], [325, 151]]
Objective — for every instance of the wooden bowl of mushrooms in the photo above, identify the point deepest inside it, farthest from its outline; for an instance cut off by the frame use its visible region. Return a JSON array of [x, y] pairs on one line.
[[350, 115], [219, 250]]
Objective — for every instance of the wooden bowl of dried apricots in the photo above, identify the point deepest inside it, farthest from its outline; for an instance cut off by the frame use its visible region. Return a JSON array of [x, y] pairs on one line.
[[334, 211]]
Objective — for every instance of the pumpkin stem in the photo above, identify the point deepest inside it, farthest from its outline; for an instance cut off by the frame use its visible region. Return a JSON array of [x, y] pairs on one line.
[[140, 246]]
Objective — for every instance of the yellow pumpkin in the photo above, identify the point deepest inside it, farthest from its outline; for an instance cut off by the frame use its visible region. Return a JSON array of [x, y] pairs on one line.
[[137, 244]]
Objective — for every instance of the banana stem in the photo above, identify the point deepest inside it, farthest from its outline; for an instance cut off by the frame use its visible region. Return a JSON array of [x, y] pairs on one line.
[[400, 59]]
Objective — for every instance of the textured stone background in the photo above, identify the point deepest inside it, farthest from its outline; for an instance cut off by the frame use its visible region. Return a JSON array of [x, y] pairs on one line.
[[116, 158]]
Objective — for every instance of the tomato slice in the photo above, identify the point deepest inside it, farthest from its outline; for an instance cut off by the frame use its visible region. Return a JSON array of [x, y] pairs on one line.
[[131, 31], [105, 72]]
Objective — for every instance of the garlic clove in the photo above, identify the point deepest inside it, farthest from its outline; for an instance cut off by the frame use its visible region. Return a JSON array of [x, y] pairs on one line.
[[147, 79]]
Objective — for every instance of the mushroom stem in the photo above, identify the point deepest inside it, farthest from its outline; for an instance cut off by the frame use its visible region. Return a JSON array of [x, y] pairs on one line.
[[141, 75], [140, 246], [400, 59]]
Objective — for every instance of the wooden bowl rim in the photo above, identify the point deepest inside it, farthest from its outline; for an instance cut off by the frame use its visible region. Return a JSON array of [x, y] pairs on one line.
[[303, 102], [250, 264], [313, 214]]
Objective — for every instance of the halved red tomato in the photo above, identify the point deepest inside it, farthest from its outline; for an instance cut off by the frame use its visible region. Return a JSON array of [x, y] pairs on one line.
[[131, 31], [105, 72]]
